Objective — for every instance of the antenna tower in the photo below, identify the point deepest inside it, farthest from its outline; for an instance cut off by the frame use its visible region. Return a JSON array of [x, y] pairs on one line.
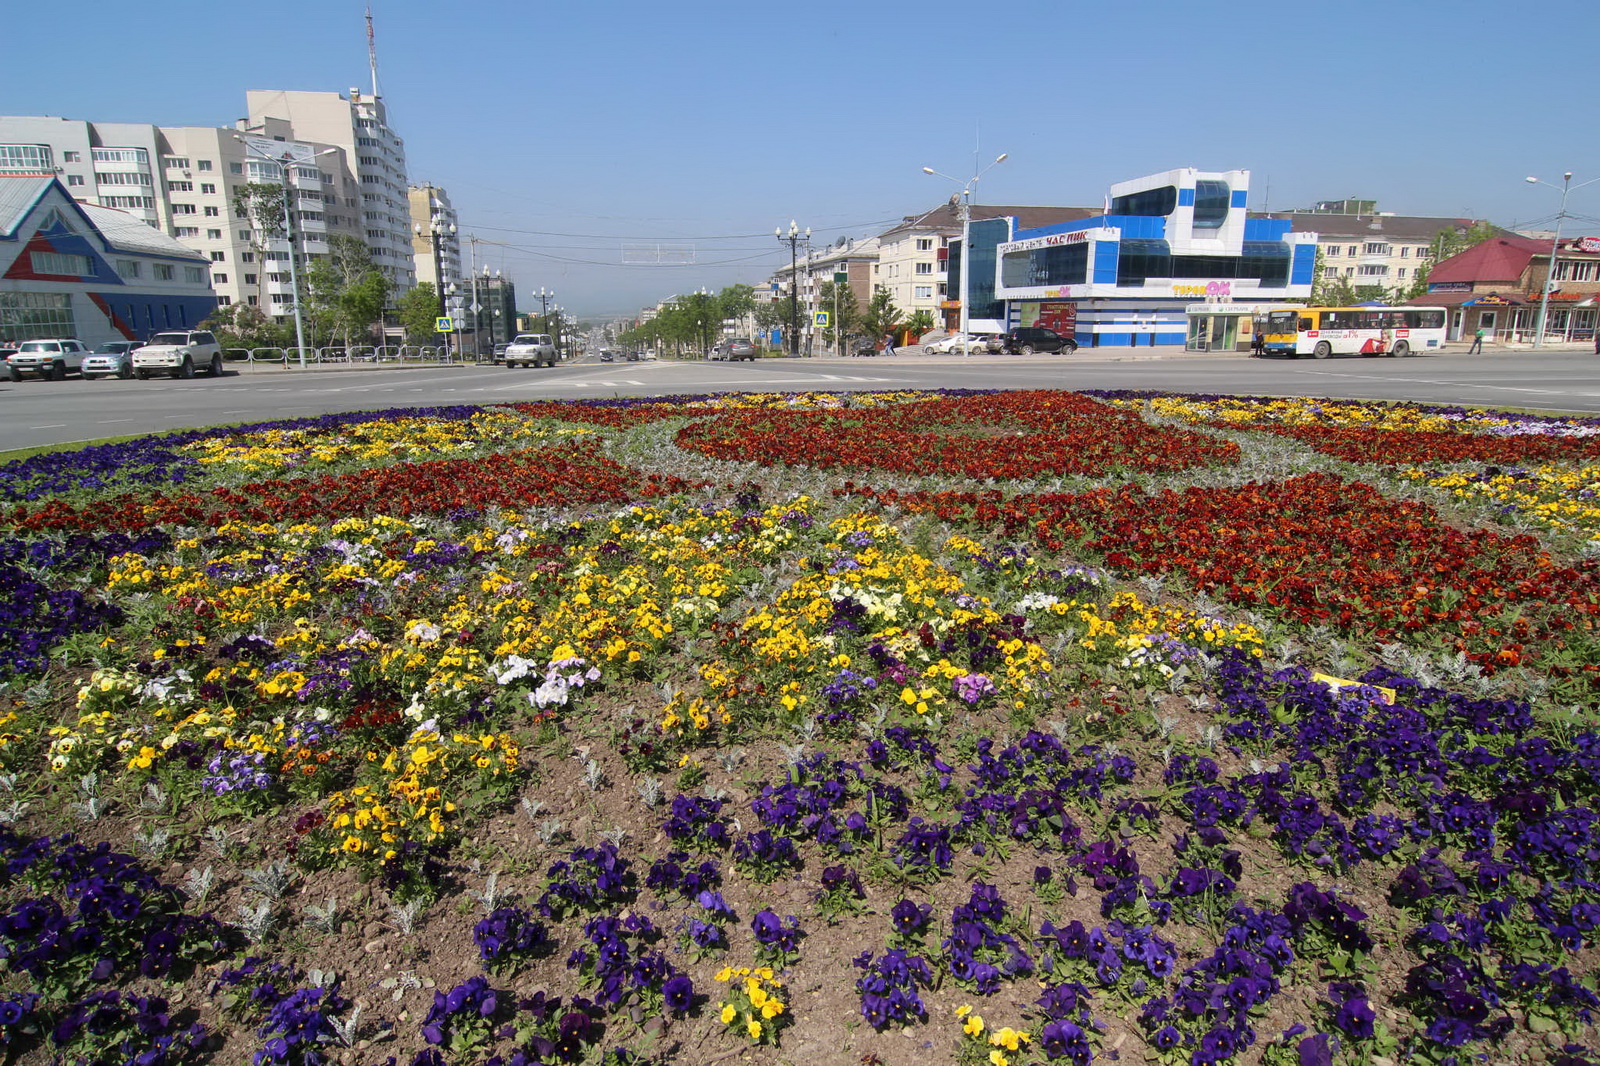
[[372, 52]]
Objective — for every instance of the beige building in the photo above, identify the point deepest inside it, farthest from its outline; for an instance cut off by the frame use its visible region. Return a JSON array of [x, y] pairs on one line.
[[856, 258], [1373, 248], [376, 189], [426, 203]]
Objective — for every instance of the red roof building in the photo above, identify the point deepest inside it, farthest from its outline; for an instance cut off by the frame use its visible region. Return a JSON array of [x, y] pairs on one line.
[[1496, 286]]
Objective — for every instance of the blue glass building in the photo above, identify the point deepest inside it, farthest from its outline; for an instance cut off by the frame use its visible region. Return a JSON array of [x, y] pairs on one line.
[[1165, 242]]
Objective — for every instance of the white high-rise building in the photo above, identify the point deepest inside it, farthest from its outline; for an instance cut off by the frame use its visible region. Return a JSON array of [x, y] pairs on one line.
[[358, 124]]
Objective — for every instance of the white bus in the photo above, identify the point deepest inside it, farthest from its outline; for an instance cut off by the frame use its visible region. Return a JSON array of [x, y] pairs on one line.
[[1325, 331]]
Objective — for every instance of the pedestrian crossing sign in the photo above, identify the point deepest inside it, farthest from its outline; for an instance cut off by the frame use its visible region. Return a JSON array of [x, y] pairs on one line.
[[821, 320], [443, 324]]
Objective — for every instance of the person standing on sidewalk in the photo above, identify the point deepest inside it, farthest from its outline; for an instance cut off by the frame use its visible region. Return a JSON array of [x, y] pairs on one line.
[[1477, 342]]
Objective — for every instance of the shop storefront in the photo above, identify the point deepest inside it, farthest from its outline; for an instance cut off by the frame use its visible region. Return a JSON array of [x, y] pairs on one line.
[[1224, 327]]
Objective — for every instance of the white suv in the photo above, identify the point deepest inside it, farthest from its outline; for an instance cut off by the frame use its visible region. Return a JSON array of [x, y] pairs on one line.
[[179, 353], [52, 359], [530, 349]]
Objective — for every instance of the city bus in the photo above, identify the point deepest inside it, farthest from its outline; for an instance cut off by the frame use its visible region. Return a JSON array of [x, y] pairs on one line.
[[1325, 331]]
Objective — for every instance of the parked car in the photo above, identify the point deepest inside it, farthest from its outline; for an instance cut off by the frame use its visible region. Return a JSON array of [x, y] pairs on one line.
[[741, 348], [46, 359], [718, 351], [957, 343], [530, 349], [113, 358], [178, 353], [1029, 339]]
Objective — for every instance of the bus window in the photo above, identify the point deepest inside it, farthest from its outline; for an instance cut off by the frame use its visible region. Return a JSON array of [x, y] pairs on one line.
[[1308, 323]]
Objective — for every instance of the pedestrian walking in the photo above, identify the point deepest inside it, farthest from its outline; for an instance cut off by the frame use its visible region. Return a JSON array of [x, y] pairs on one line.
[[888, 344], [1597, 342], [1477, 342]]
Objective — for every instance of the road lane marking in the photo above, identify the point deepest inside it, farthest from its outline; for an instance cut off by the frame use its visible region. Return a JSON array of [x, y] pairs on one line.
[[109, 421]]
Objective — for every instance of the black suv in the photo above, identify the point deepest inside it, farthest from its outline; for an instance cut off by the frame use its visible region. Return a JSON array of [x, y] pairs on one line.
[[1030, 339]]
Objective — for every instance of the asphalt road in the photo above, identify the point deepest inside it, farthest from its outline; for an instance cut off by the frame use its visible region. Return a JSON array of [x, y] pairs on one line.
[[34, 413]]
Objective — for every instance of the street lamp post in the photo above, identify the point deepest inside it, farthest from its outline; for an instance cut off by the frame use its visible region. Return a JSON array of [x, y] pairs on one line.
[[1566, 186], [438, 229], [284, 161], [793, 238], [965, 211], [544, 308]]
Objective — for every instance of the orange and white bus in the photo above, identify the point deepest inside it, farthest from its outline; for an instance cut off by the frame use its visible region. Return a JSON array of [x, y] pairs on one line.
[[1325, 331]]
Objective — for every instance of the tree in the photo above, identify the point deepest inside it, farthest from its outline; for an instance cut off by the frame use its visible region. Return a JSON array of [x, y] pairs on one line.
[[344, 292], [771, 315], [881, 316], [920, 322], [737, 301], [243, 326], [417, 310], [1449, 241], [261, 204]]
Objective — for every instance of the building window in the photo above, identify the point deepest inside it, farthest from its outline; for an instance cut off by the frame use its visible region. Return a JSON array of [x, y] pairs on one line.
[[1348, 271], [1574, 270], [183, 209], [24, 315], [60, 263], [195, 275], [924, 268], [186, 231], [282, 297], [924, 244], [1375, 270], [130, 203], [219, 279], [922, 292], [128, 268], [1401, 273], [204, 164], [224, 301], [249, 279], [213, 235], [1211, 200], [119, 155], [180, 186], [247, 257], [1375, 248], [208, 188], [1333, 251], [1330, 272], [163, 271], [74, 179], [1352, 250], [211, 212], [235, 168], [139, 178], [72, 157], [252, 301], [175, 162], [218, 257], [1405, 251]]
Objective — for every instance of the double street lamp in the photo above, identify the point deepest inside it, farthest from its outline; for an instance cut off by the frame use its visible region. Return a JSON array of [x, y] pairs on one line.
[[793, 238], [438, 229], [544, 297], [1566, 186], [965, 212]]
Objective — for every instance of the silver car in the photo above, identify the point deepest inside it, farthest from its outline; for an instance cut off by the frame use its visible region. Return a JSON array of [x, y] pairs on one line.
[[111, 359]]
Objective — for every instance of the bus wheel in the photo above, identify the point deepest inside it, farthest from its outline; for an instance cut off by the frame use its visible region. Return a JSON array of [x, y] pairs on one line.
[[1322, 350], [1401, 349]]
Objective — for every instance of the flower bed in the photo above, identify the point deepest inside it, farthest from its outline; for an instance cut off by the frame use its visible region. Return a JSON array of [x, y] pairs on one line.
[[543, 757]]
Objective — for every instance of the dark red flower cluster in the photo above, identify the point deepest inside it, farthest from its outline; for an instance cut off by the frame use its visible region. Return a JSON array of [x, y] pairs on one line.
[[1319, 549], [615, 416], [1394, 446], [542, 477], [998, 435]]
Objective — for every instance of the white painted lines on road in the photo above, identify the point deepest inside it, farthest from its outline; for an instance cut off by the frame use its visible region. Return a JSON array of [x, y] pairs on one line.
[[53, 425]]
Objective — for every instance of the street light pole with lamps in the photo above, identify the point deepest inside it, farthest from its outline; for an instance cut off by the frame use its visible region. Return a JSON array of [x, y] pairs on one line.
[[793, 238], [965, 211], [438, 228], [1566, 186], [544, 308], [258, 147]]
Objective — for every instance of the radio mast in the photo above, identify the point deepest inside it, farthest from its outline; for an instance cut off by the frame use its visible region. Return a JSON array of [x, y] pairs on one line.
[[372, 52]]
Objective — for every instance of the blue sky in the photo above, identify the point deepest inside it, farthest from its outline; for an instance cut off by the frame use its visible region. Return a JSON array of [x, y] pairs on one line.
[[566, 132]]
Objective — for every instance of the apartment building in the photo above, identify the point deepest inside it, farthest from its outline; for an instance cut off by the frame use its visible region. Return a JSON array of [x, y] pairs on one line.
[[1372, 248], [426, 204], [358, 124], [183, 180], [857, 259]]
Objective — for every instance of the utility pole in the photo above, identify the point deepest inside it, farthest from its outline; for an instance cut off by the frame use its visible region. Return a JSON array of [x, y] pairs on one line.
[[1555, 245], [793, 238]]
